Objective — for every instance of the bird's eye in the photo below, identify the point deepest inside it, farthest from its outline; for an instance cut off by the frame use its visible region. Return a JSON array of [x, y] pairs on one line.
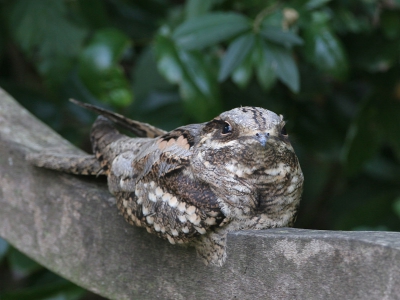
[[227, 128], [283, 130]]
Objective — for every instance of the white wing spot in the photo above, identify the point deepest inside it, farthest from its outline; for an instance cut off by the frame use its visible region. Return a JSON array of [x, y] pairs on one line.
[[239, 173], [159, 192], [182, 207], [150, 220], [145, 210], [210, 221], [200, 230], [166, 197], [213, 213], [170, 239], [182, 218], [173, 202], [152, 197], [194, 219], [190, 210], [137, 222]]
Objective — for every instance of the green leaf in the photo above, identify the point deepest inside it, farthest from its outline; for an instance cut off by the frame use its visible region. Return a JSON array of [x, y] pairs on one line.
[[390, 22], [284, 65], [46, 36], [313, 4], [195, 8], [362, 140], [275, 19], [243, 73], [195, 68], [94, 12], [62, 290], [347, 21], [139, 19], [277, 35], [99, 67], [190, 70], [396, 207], [146, 77], [42, 25], [209, 29], [236, 53], [21, 265], [3, 248], [168, 61], [112, 43], [265, 71], [323, 48]]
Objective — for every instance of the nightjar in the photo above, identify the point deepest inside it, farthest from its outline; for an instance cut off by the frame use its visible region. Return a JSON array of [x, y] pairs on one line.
[[196, 183]]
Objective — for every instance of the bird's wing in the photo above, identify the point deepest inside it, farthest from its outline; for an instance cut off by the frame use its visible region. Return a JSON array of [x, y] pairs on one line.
[[163, 194]]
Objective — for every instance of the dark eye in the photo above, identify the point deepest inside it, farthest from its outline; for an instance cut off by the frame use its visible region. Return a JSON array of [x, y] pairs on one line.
[[227, 128], [283, 130]]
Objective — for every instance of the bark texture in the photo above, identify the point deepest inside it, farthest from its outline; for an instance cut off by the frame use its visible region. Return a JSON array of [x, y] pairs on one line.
[[70, 225]]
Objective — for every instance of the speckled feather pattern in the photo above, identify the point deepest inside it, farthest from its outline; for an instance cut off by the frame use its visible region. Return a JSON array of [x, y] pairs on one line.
[[198, 182]]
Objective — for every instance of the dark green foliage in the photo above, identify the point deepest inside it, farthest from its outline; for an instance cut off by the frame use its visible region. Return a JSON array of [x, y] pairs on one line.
[[332, 68], [17, 270]]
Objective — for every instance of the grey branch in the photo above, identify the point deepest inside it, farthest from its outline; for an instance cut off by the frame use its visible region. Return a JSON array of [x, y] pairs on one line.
[[70, 225]]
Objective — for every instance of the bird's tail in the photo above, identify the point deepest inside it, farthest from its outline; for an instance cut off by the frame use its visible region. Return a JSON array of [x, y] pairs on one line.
[[137, 128]]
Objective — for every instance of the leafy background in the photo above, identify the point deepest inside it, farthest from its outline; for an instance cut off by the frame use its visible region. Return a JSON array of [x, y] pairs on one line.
[[330, 67]]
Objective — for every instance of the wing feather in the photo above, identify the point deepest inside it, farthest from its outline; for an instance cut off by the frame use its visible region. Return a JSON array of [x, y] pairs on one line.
[[163, 194]]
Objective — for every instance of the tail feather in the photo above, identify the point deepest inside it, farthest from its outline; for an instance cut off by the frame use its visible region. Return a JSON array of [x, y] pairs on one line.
[[74, 164], [138, 128]]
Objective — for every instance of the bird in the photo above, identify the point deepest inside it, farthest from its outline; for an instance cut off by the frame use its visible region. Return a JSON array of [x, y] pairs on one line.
[[195, 184]]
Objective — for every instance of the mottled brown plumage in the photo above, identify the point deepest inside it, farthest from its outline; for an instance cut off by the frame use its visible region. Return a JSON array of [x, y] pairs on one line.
[[198, 182]]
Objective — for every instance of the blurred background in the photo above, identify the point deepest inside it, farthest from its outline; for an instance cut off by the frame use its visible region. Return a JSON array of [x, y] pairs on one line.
[[332, 68]]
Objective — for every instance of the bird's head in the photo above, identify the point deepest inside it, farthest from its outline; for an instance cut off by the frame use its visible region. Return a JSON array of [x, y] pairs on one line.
[[249, 136], [245, 153]]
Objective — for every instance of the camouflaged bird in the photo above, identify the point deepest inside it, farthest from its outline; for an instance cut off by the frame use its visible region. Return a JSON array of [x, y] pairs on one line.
[[196, 183]]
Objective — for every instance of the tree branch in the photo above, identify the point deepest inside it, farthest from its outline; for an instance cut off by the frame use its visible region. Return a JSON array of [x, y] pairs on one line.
[[69, 224]]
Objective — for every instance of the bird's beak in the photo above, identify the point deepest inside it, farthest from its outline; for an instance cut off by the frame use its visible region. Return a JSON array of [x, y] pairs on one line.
[[262, 137]]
